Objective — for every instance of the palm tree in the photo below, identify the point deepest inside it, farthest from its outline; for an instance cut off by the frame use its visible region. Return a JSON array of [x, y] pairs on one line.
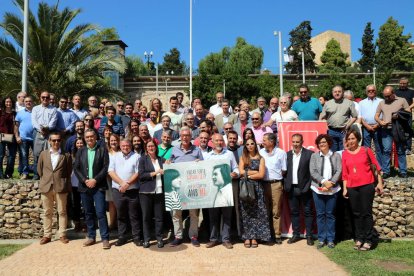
[[61, 60]]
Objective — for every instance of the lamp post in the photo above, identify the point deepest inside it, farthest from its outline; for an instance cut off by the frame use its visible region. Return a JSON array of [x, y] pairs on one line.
[[191, 51], [166, 82], [374, 70], [303, 65], [25, 45], [279, 35], [148, 57], [156, 80]]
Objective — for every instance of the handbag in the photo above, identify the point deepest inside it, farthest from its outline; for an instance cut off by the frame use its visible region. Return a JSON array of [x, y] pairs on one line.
[[372, 167], [247, 192], [8, 138]]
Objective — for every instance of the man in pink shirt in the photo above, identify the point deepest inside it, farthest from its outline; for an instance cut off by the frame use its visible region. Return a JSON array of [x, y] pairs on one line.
[[258, 129]]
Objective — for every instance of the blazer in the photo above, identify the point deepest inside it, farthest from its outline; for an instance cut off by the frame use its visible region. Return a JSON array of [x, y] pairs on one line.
[[100, 168], [218, 120], [304, 177], [147, 182], [237, 127], [316, 168], [58, 178]]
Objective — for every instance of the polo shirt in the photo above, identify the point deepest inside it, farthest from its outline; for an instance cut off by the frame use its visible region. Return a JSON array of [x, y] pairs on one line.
[[164, 153], [386, 109], [367, 108], [24, 118], [275, 162], [307, 110], [124, 166], [91, 159], [178, 154], [337, 113]]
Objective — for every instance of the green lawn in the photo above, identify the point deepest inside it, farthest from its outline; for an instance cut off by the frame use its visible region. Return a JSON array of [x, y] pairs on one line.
[[8, 249], [394, 258]]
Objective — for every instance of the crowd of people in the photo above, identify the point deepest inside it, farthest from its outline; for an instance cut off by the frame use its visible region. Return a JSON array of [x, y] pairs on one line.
[[110, 157]]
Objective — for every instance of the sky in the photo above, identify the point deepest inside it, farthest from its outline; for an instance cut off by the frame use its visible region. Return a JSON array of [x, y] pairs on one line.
[[160, 25]]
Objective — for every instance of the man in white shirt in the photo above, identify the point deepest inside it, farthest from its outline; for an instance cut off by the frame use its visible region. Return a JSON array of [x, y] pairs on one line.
[[216, 108], [275, 162], [175, 115], [77, 107], [20, 101], [123, 169], [224, 195]]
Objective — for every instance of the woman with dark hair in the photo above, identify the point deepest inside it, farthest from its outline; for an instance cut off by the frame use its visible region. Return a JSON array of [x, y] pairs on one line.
[[359, 187], [151, 194], [7, 115], [75, 200], [113, 143], [172, 199], [107, 131], [255, 221], [89, 122], [248, 134], [325, 170], [132, 129]]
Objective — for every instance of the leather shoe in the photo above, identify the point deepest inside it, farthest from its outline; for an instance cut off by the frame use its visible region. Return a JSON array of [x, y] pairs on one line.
[[63, 240], [227, 245], [105, 244], [293, 239], [138, 242], [146, 244], [160, 244], [278, 241], [45, 240], [89, 242], [309, 241], [120, 242], [211, 244]]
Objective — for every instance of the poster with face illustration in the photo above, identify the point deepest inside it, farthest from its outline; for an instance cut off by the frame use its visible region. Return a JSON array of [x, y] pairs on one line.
[[195, 185]]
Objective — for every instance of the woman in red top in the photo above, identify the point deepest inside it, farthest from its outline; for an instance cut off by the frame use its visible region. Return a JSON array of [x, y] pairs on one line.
[[360, 188], [7, 116]]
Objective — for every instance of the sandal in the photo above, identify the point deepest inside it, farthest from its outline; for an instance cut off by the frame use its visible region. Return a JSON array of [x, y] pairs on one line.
[[358, 245], [365, 247], [254, 244], [247, 244]]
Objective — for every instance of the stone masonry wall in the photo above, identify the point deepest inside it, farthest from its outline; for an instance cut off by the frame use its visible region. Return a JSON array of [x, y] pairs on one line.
[[21, 211]]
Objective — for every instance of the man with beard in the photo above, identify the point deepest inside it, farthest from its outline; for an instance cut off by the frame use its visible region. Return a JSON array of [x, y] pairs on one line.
[[175, 115], [408, 94], [126, 118], [261, 106], [79, 131], [307, 107]]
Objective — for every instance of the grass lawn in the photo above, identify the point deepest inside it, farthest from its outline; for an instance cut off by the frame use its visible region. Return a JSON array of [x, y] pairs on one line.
[[394, 258], [8, 249]]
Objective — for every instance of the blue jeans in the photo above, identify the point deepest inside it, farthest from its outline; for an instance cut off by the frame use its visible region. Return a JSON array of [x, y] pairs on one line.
[[24, 156], [376, 136], [386, 148], [12, 147], [325, 216], [337, 136], [94, 200], [295, 202]]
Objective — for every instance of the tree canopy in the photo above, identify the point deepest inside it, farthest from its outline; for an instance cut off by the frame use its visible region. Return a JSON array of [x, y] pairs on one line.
[[61, 60], [368, 49], [300, 41], [173, 62], [333, 59]]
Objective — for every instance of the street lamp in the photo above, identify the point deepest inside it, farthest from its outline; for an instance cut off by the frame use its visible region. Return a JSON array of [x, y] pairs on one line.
[[171, 72], [374, 70], [279, 35], [303, 63], [148, 57]]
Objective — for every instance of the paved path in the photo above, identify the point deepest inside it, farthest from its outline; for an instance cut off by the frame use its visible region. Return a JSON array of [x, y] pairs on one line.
[[56, 258]]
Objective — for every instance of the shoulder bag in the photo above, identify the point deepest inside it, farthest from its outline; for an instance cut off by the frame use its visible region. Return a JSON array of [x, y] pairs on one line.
[[372, 167], [247, 192]]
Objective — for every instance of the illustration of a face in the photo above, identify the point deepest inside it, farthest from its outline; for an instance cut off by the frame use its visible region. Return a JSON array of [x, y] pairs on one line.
[[217, 178], [176, 183]]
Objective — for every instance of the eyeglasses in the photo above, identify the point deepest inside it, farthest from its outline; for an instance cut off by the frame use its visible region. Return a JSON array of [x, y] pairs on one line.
[[45, 97], [303, 92], [88, 119], [283, 102], [322, 142], [63, 102], [120, 105], [229, 128], [55, 140], [255, 119], [371, 90]]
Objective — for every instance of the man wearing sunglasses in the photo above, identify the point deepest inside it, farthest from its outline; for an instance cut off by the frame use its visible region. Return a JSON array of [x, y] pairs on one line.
[[54, 169], [307, 107], [44, 120]]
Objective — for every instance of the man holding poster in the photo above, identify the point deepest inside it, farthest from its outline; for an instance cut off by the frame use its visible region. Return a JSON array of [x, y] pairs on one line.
[[224, 195], [185, 152]]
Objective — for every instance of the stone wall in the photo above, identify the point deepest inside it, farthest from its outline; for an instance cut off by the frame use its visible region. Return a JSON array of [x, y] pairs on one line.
[[20, 209]]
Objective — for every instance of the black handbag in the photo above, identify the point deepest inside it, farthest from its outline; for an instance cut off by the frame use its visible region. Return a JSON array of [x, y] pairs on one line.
[[247, 192]]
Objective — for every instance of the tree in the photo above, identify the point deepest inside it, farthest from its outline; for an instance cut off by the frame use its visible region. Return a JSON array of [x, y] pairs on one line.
[[394, 51], [232, 65], [300, 41], [333, 59], [368, 49], [135, 67], [172, 62], [61, 60]]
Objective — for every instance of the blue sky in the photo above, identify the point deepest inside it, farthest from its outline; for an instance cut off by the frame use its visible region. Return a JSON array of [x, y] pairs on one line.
[[160, 25]]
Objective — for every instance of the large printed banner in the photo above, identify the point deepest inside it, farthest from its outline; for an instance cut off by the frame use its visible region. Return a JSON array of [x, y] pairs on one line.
[[309, 129], [195, 185]]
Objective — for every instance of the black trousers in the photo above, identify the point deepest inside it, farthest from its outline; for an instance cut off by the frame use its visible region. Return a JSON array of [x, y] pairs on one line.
[[128, 211], [295, 201], [215, 219], [74, 207], [153, 206], [361, 199]]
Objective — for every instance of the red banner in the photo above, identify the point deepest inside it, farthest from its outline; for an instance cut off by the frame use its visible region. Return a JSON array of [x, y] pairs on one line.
[[310, 130]]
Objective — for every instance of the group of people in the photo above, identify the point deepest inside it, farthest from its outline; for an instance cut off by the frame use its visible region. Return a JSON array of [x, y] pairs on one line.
[[112, 157]]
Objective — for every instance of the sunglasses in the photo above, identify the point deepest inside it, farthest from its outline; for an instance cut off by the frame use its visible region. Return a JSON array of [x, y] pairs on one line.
[[45, 98], [55, 140], [255, 119]]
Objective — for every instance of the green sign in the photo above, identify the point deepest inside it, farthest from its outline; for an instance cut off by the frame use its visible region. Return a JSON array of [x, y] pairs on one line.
[[196, 185]]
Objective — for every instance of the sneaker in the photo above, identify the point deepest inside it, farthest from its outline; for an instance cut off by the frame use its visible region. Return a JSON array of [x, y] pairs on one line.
[[408, 152], [195, 242], [176, 242], [320, 245], [331, 245]]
